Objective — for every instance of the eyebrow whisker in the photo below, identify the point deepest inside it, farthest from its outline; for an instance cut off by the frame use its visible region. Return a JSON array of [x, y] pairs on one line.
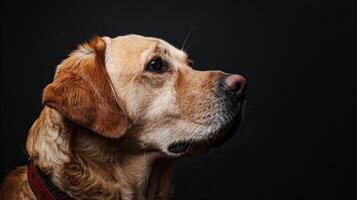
[[186, 38], [194, 42]]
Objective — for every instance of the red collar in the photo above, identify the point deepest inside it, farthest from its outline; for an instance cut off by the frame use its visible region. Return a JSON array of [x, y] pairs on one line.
[[42, 186]]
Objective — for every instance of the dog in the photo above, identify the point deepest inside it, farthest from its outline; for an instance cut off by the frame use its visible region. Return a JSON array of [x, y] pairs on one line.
[[117, 116]]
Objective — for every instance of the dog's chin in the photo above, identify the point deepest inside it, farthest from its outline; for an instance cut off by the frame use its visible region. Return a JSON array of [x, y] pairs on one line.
[[223, 135], [213, 140], [226, 132], [199, 147], [202, 146]]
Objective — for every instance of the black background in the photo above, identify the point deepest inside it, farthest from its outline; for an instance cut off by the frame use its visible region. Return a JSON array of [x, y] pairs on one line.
[[294, 141]]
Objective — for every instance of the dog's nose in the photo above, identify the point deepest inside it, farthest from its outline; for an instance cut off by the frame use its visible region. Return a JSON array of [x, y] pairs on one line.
[[235, 84]]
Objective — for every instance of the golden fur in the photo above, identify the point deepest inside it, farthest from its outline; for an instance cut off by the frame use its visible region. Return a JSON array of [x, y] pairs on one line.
[[107, 122]]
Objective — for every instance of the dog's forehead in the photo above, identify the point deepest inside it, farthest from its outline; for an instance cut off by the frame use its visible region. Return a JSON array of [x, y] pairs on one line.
[[137, 44]]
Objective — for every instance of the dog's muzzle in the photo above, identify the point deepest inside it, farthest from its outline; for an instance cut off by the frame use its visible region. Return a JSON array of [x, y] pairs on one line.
[[231, 88]]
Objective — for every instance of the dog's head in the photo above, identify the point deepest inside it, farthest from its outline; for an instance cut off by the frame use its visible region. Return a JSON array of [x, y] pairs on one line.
[[145, 90]]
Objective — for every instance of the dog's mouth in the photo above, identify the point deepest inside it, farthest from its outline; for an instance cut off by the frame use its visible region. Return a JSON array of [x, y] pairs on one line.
[[218, 139]]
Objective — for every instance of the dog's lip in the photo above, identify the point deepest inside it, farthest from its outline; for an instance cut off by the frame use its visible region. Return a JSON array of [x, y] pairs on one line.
[[188, 147], [178, 147]]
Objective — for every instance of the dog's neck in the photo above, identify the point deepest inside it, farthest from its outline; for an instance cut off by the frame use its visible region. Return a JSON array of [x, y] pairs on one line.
[[88, 166]]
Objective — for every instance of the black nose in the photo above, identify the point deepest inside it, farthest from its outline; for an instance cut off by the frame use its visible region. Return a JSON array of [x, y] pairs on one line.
[[234, 84]]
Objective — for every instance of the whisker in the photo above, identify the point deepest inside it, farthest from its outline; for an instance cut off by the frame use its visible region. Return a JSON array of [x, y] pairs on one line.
[[194, 42], [186, 38], [191, 143]]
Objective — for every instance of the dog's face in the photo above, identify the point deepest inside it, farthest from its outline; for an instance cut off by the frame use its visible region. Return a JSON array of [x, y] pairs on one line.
[[175, 105], [163, 103]]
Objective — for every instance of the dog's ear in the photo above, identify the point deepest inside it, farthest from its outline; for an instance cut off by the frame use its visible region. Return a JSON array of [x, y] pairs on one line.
[[83, 92]]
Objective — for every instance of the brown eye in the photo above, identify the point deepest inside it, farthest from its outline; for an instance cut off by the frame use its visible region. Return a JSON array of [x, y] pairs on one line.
[[156, 65]]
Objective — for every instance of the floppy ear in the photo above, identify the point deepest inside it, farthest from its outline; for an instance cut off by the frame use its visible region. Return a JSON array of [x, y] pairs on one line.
[[83, 92]]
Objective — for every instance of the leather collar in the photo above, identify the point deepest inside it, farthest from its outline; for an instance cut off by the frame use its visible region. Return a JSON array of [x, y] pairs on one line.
[[42, 186]]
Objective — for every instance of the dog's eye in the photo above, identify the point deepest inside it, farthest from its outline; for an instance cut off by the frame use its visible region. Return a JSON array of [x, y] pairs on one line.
[[156, 65]]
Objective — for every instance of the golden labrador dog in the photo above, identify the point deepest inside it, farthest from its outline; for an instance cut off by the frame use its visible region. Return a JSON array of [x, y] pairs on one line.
[[118, 114]]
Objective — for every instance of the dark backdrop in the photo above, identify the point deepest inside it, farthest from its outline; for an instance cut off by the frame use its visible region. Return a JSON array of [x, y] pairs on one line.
[[294, 138]]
